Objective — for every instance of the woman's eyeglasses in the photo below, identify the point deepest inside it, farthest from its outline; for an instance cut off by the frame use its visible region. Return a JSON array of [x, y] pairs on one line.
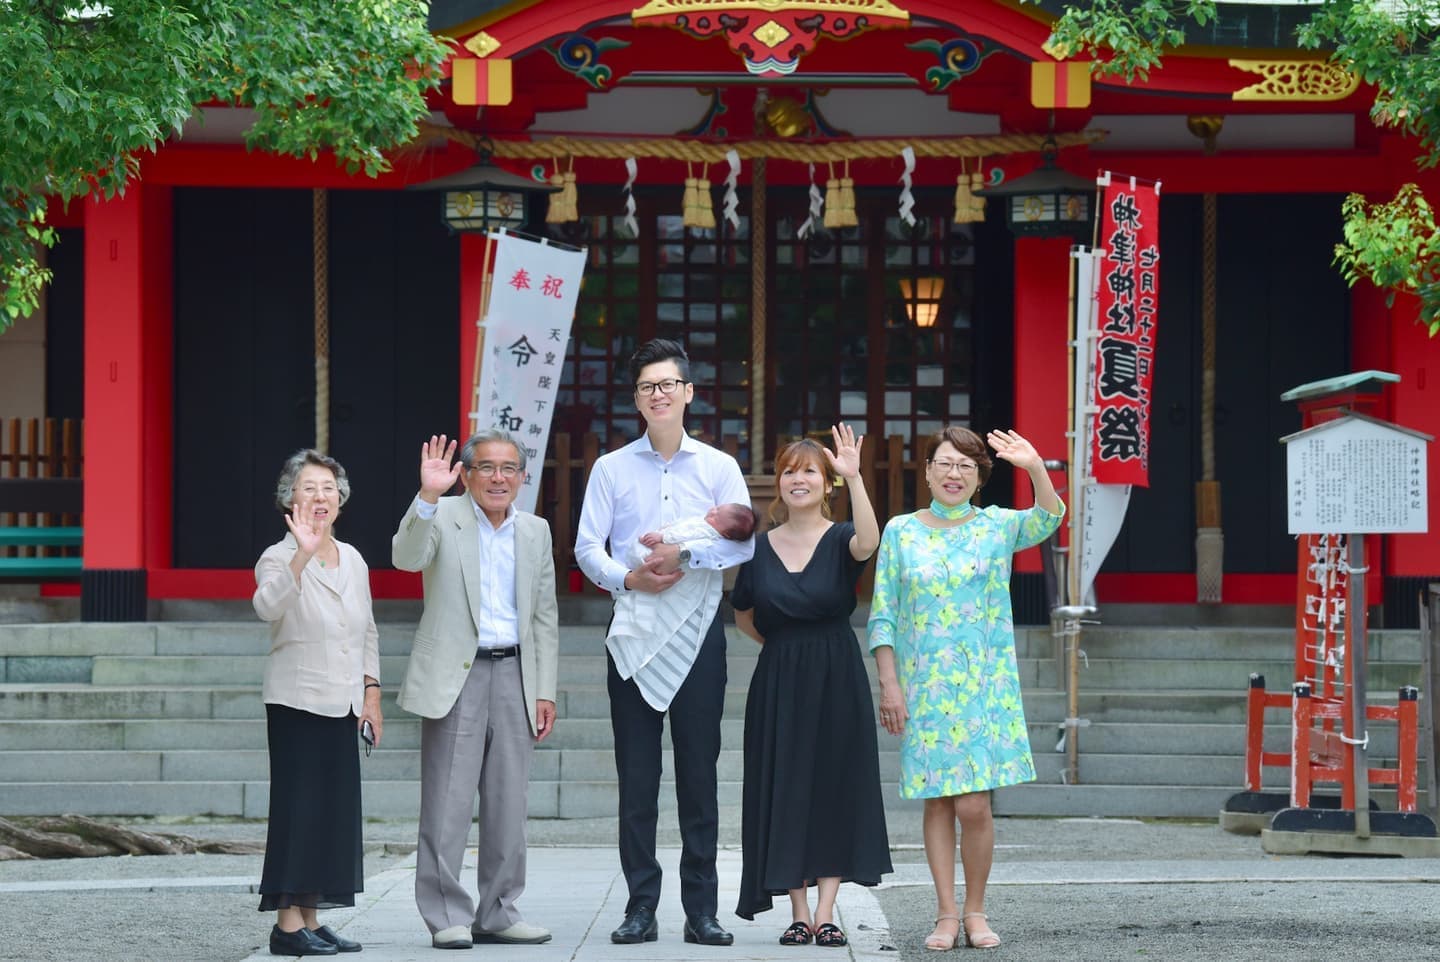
[[964, 467]]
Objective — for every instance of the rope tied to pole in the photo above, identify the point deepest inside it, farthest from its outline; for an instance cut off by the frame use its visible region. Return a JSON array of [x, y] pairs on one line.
[[320, 242]]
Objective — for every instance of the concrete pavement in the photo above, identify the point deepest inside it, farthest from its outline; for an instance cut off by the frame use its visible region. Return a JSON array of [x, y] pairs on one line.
[[579, 895], [1090, 890], [1167, 908]]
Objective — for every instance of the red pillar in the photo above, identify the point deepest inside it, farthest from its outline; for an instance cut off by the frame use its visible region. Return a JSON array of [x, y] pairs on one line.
[[1042, 327], [127, 351], [1414, 404], [1411, 560]]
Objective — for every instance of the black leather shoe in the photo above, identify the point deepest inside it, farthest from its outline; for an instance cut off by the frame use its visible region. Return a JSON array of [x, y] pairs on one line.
[[341, 943], [706, 930], [639, 926], [299, 942]]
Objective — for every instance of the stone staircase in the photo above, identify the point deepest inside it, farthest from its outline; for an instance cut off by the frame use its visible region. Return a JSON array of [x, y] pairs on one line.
[[165, 718]]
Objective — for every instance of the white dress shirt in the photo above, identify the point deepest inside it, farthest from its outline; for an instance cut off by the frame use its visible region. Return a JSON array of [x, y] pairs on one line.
[[635, 490], [654, 640], [499, 625]]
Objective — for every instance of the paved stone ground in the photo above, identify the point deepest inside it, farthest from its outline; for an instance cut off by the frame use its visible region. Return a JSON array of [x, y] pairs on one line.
[[1062, 889]]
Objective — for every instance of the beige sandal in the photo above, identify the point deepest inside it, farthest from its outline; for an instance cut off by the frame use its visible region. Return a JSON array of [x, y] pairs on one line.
[[984, 939], [938, 941]]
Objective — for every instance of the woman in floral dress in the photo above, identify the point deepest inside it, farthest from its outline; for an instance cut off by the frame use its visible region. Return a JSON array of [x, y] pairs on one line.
[[943, 638]]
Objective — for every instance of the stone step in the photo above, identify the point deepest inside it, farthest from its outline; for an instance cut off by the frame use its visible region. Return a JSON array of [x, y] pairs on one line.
[[578, 799], [575, 702], [586, 743], [239, 638], [1105, 673], [570, 764], [83, 640], [1232, 644]]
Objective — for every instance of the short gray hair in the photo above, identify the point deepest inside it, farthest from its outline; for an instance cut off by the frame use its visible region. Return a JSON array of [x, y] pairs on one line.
[[285, 485], [490, 436]]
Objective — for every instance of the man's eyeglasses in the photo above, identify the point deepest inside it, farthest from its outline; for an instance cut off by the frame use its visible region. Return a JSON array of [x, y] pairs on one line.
[[488, 469], [667, 386], [964, 467]]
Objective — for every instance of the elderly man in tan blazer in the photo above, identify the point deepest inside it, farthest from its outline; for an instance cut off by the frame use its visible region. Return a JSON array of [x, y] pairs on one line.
[[481, 676]]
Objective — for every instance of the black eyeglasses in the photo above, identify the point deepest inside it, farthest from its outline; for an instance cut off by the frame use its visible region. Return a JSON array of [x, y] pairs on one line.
[[667, 386]]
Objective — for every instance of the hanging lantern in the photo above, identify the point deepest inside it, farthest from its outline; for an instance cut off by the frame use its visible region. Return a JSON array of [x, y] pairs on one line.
[[1047, 202], [484, 197]]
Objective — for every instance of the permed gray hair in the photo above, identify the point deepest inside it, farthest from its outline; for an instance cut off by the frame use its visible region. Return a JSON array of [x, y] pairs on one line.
[[488, 436], [285, 485]]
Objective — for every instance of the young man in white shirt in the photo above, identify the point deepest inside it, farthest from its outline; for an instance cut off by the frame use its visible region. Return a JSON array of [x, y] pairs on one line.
[[663, 475]]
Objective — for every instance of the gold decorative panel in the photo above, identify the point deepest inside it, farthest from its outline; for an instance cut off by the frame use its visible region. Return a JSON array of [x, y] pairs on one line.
[[1293, 80], [664, 8]]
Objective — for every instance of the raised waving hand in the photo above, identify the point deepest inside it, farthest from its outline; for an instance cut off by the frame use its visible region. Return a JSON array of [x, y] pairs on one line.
[[437, 474]]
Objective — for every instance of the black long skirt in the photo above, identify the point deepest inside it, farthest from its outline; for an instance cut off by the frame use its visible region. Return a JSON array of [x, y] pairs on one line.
[[313, 850], [812, 802]]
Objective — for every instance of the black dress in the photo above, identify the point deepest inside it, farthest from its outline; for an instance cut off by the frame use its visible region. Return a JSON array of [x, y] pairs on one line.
[[812, 801]]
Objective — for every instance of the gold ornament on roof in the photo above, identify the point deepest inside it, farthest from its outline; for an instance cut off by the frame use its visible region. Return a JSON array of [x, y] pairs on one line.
[[771, 34], [1296, 80], [661, 8], [482, 45]]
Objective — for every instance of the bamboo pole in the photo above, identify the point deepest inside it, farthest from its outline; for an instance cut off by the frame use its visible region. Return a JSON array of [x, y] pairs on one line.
[[759, 271], [485, 278]]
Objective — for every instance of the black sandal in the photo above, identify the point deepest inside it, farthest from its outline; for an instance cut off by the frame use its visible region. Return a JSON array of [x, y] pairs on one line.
[[797, 934], [830, 936]]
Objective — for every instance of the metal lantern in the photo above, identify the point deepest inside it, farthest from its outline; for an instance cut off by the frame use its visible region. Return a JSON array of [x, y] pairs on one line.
[[484, 197], [1047, 202]]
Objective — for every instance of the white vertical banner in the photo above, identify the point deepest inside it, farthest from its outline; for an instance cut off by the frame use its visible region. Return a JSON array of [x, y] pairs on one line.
[[1103, 506], [533, 288]]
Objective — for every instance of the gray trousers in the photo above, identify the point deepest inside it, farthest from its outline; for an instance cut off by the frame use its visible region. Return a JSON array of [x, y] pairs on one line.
[[484, 743]]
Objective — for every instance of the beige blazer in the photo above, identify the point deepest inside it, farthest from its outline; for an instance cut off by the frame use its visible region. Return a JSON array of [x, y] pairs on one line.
[[446, 550], [323, 640]]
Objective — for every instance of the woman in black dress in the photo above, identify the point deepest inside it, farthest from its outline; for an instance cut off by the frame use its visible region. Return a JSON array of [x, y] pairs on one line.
[[812, 811]]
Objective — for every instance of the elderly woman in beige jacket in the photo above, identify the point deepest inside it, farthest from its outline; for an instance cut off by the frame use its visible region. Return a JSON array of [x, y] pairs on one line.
[[322, 686]]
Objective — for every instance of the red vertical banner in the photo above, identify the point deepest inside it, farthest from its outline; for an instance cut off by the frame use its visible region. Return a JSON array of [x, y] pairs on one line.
[[1126, 302]]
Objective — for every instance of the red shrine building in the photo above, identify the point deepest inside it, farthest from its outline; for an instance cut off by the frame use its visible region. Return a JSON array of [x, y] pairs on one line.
[[186, 317]]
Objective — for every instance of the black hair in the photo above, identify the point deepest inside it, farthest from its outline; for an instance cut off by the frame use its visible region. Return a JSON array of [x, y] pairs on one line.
[[656, 350]]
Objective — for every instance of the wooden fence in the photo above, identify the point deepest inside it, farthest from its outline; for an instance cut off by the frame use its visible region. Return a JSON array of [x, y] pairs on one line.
[[896, 484], [39, 448]]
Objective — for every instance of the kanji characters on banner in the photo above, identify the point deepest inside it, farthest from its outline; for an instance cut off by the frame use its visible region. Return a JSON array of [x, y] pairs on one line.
[[534, 286], [1097, 517], [1128, 297]]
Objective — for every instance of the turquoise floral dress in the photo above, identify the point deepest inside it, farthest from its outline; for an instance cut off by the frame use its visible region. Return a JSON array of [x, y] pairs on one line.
[[942, 601]]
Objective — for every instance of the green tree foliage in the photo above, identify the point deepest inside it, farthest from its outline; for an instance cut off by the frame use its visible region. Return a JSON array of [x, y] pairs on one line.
[[1393, 45], [89, 88]]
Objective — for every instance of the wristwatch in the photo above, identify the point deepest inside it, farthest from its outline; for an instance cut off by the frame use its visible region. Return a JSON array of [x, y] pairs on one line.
[[685, 556]]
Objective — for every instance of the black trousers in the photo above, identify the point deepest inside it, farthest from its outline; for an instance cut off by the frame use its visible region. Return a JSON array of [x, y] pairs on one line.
[[695, 735]]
